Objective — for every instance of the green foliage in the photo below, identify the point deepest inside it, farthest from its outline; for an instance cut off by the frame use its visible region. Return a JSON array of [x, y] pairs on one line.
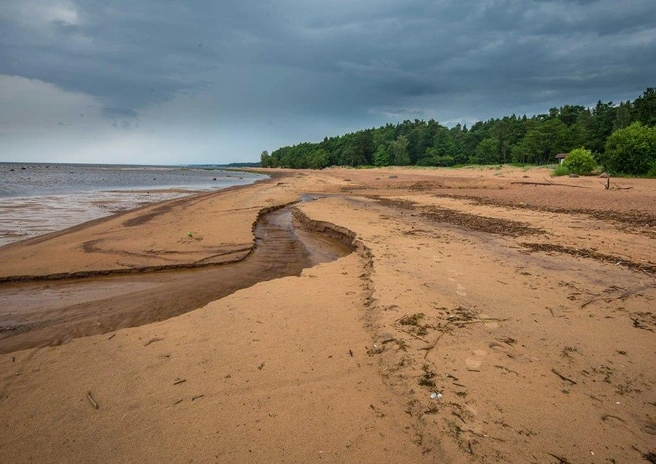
[[652, 171], [432, 157], [580, 161], [542, 142], [644, 108], [400, 151], [512, 139], [631, 150], [318, 159], [382, 156], [266, 160], [561, 170], [486, 152]]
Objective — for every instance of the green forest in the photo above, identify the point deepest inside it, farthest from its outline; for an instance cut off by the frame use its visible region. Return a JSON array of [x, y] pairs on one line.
[[621, 138]]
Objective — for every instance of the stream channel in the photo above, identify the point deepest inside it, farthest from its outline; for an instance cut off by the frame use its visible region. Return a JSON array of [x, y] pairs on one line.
[[37, 314]]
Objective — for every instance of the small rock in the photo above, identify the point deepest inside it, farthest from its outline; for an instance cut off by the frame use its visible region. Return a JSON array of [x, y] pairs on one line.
[[574, 176]]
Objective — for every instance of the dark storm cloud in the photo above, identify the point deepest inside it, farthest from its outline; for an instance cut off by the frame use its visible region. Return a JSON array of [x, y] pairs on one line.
[[338, 58]]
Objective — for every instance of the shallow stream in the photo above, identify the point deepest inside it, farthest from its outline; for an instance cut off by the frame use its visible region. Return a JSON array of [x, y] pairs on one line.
[[34, 314]]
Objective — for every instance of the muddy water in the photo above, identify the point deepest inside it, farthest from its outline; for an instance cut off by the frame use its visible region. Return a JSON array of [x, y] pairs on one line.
[[38, 314]]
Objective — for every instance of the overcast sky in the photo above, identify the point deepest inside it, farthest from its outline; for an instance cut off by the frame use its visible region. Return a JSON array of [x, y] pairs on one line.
[[202, 81]]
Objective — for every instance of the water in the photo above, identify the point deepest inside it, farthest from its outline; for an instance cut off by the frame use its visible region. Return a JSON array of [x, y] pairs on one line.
[[28, 179], [34, 314], [40, 198]]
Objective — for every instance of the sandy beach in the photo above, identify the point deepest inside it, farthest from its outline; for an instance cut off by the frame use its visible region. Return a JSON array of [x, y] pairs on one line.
[[471, 315]]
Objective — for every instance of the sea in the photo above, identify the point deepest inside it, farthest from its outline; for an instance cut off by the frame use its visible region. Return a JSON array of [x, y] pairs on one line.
[[39, 198]]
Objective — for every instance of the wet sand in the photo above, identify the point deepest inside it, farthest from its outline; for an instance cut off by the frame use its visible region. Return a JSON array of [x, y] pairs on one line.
[[528, 308], [39, 313], [26, 217]]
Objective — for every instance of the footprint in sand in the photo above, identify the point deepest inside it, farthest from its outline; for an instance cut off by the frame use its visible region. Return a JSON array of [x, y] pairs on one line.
[[475, 361], [460, 290]]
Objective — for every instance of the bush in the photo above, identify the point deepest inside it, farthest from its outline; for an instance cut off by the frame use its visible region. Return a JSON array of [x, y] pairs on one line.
[[561, 171], [631, 150], [652, 171], [580, 161]]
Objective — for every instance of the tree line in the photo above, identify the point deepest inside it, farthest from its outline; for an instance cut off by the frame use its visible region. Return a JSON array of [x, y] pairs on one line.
[[621, 137]]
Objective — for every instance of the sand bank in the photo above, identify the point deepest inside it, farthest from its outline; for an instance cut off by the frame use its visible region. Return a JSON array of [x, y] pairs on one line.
[[528, 308]]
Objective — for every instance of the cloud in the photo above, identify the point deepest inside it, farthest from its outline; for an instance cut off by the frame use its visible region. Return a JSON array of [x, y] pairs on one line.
[[256, 67]]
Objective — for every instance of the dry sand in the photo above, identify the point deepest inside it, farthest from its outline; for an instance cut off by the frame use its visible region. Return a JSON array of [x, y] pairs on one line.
[[528, 308]]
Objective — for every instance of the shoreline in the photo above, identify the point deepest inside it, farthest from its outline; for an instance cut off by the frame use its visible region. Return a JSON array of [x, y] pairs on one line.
[[29, 217], [36, 201], [501, 297], [115, 214]]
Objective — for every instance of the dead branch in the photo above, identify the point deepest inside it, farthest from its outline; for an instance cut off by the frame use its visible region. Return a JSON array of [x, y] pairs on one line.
[[561, 460], [623, 296], [476, 321], [432, 345], [91, 400], [566, 379], [548, 184], [413, 335]]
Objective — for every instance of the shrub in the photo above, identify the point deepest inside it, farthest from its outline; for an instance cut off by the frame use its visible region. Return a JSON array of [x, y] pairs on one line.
[[652, 171], [631, 150], [561, 171], [580, 161]]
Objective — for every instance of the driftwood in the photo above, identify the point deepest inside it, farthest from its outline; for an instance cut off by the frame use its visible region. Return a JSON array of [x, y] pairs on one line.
[[608, 187], [570, 381], [429, 348], [477, 321], [92, 401], [548, 184], [561, 460]]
